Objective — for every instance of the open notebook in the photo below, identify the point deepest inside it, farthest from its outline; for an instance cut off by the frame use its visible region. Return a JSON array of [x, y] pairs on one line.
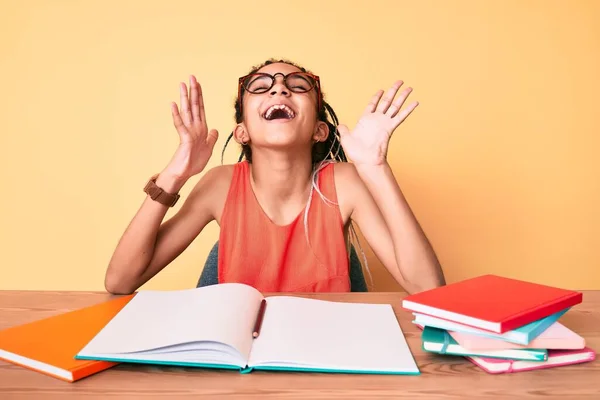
[[213, 327]]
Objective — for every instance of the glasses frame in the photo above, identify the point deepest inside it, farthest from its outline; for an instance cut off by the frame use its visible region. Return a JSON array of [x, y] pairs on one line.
[[316, 86]]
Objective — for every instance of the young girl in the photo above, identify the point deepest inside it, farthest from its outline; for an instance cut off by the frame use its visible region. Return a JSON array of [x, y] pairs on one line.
[[285, 212]]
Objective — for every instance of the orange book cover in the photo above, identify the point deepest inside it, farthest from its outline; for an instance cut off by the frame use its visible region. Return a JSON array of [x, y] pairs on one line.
[[49, 345]]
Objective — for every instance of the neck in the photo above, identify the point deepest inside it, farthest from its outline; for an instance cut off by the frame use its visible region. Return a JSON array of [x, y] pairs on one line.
[[281, 177]]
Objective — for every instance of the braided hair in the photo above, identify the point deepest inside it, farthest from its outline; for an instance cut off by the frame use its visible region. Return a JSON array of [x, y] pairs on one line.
[[330, 149], [323, 153]]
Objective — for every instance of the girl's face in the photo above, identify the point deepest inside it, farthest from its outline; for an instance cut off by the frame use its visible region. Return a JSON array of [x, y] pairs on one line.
[[281, 115]]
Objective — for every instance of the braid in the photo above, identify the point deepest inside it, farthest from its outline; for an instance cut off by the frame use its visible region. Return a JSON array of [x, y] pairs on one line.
[[331, 148], [323, 153]]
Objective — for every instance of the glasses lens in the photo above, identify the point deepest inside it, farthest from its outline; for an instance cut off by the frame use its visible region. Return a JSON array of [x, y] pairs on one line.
[[258, 83], [300, 82], [297, 82]]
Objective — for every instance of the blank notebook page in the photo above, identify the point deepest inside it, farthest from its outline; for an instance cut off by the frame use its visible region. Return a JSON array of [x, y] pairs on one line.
[[300, 332], [156, 319]]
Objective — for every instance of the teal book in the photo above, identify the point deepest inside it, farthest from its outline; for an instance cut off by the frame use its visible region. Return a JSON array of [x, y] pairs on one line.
[[522, 335], [215, 326], [439, 341]]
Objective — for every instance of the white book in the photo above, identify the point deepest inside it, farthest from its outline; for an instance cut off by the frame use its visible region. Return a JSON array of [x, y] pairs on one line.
[[213, 327]]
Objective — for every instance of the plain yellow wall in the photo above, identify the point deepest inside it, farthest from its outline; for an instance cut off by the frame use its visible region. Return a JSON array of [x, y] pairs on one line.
[[500, 162]]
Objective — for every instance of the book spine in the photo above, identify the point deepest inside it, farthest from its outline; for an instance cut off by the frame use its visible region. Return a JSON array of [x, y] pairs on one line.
[[446, 343], [543, 356], [530, 316], [246, 370]]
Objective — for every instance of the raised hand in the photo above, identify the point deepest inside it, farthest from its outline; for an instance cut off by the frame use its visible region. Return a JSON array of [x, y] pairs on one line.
[[367, 144], [196, 142]]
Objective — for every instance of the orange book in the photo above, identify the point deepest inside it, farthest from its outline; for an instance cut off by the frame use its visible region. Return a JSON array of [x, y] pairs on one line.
[[49, 345]]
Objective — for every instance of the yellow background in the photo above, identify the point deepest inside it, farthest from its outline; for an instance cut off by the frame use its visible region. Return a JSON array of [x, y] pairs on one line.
[[500, 162]]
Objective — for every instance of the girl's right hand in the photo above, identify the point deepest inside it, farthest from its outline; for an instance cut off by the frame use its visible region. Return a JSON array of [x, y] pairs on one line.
[[196, 142]]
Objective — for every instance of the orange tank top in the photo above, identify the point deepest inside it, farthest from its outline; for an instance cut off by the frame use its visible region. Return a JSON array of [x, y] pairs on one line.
[[273, 258]]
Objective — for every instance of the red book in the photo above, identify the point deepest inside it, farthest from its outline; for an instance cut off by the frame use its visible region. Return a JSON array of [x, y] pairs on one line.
[[491, 302]]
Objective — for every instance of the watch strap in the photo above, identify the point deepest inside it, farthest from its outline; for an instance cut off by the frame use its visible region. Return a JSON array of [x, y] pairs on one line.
[[156, 193]]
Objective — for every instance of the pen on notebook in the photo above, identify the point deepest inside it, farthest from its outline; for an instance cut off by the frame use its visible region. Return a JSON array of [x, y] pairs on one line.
[[259, 318]]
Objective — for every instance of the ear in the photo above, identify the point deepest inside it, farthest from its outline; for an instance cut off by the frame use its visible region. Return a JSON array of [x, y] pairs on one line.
[[240, 134], [321, 132]]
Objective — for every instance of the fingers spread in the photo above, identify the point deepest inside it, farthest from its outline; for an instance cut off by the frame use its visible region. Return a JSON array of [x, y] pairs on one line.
[[388, 97], [401, 116], [397, 104], [194, 91], [177, 121], [185, 104], [201, 103], [373, 102]]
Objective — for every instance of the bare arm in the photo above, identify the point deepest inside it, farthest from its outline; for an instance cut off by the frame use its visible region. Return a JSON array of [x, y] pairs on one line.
[[381, 210], [391, 229], [148, 245]]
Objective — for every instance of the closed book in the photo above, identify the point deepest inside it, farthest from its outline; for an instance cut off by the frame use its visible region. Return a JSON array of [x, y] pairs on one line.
[[522, 335], [439, 341], [493, 303], [556, 358], [556, 337], [49, 345]]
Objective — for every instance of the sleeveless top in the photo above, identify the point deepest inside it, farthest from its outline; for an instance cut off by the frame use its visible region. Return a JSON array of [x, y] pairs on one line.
[[274, 258]]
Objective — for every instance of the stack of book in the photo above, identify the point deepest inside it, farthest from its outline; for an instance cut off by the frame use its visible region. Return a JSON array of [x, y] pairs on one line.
[[500, 324]]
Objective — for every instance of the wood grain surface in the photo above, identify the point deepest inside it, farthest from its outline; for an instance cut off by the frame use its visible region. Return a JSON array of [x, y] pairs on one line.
[[442, 377]]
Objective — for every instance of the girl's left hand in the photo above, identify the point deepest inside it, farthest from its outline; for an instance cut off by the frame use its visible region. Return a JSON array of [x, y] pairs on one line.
[[367, 144]]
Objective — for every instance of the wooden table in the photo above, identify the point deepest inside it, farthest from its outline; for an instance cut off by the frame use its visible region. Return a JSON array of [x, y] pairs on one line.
[[444, 377]]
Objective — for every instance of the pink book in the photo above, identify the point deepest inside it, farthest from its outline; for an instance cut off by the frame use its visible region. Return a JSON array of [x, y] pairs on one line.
[[556, 358], [557, 337]]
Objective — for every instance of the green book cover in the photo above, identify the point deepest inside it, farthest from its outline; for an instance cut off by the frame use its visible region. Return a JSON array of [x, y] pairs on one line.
[[439, 341]]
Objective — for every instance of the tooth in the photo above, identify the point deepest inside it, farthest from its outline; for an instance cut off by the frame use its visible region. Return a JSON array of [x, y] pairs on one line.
[[290, 113], [269, 112]]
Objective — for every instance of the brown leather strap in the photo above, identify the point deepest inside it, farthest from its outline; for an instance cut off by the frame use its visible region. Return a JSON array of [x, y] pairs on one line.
[[156, 193]]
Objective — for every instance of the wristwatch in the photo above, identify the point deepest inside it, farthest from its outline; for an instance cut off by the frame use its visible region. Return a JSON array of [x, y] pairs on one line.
[[156, 193]]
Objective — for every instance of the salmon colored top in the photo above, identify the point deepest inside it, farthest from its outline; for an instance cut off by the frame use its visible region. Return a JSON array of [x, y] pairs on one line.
[[274, 258]]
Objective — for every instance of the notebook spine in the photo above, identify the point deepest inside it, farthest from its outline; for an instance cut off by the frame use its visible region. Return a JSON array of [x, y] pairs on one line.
[[446, 343]]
